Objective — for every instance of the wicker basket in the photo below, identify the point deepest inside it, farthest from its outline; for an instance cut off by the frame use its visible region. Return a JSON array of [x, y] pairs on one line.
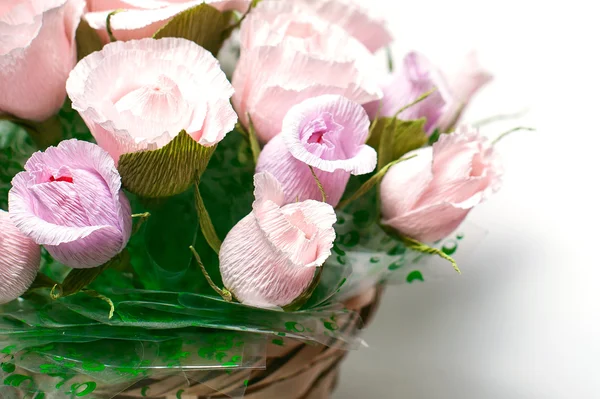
[[293, 371]]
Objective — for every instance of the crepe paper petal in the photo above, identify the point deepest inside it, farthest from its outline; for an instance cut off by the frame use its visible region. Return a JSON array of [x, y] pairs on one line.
[[20, 260], [69, 199]]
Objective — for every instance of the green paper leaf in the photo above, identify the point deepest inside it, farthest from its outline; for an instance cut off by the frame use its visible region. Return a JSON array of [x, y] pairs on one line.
[[435, 136], [203, 24], [253, 141], [397, 137], [87, 40], [165, 172], [206, 224], [78, 279]]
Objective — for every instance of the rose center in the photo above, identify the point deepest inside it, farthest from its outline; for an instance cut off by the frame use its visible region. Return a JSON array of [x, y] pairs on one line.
[[153, 101], [300, 30], [67, 179], [298, 219]]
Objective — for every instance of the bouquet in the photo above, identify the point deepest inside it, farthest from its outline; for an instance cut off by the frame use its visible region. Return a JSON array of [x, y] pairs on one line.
[[176, 226]]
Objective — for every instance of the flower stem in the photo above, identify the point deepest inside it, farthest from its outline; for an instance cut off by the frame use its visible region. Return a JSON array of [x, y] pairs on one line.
[[418, 100], [516, 129], [321, 189], [224, 293], [426, 249], [109, 30]]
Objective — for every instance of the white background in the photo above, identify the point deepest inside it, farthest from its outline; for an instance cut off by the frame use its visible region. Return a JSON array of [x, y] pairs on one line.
[[523, 321]]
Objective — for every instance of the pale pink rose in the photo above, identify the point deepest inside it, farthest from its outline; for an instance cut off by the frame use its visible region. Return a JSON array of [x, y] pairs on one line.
[[328, 133], [142, 18], [462, 87], [69, 200], [415, 77], [357, 19], [289, 55], [139, 95], [428, 197], [271, 256], [20, 260], [37, 52]]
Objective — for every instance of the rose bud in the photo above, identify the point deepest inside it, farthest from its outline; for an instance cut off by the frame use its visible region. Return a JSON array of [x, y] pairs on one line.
[[328, 133], [462, 87], [141, 19], [289, 55], [358, 20], [20, 260], [69, 200], [37, 52], [139, 95], [270, 258], [415, 77], [427, 197]]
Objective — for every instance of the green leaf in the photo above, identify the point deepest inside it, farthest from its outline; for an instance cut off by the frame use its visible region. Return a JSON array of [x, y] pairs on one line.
[[87, 40], [203, 24], [206, 224], [435, 136], [78, 279], [44, 134], [372, 182], [165, 172], [253, 140], [397, 137]]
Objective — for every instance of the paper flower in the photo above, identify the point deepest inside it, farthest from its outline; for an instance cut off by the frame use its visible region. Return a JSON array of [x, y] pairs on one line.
[[415, 77], [142, 18], [20, 260], [37, 52], [289, 55], [328, 133], [428, 197], [139, 95], [462, 87], [69, 200], [270, 257], [358, 20]]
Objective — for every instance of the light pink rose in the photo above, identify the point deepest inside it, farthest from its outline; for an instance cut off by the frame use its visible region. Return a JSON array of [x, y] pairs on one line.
[[328, 133], [428, 197], [271, 256], [289, 55], [69, 200], [142, 18], [139, 95], [415, 77], [462, 87], [358, 20], [37, 52], [20, 260]]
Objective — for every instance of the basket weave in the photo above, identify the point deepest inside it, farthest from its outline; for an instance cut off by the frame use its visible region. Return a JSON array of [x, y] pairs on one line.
[[294, 371]]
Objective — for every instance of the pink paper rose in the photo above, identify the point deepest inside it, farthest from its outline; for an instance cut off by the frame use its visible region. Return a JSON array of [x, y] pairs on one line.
[[142, 18], [69, 200], [20, 260], [37, 51], [358, 20], [428, 197], [139, 95], [415, 77], [289, 55], [462, 87], [271, 256], [327, 133]]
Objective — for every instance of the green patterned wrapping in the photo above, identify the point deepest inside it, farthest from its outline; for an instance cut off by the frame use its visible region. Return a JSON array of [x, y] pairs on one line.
[[167, 320]]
